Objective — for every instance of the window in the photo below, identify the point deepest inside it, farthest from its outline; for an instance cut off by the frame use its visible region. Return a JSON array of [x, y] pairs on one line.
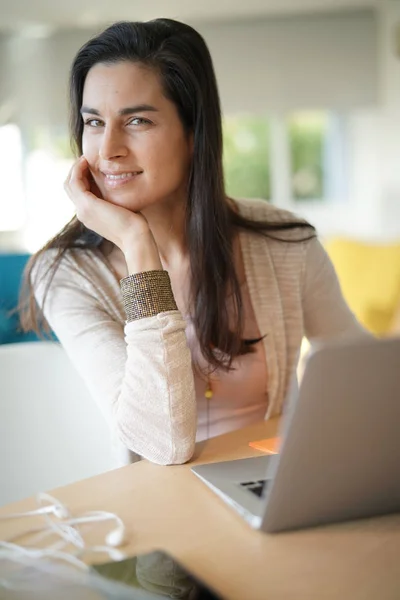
[[287, 159], [46, 168], [246, 156], [307, 137]]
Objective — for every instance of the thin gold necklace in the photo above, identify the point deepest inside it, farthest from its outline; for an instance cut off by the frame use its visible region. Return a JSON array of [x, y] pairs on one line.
[[208, 394]]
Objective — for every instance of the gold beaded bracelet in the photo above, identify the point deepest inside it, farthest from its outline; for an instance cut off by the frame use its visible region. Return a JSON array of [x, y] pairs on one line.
[[147, 294]]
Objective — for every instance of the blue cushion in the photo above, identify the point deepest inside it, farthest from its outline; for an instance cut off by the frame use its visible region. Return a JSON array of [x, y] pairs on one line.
[[11, 269]]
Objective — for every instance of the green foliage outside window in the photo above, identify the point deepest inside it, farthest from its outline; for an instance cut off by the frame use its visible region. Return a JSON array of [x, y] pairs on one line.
[[246, 156], [307, 133]]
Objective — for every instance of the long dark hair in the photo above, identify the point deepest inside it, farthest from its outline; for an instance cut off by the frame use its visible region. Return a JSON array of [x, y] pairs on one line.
[[180, 56]]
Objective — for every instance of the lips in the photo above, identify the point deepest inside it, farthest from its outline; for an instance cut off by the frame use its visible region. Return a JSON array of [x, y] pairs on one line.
[[115, 179], [125, 175]]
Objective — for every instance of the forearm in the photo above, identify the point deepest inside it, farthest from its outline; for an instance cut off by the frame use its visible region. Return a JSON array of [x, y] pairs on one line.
[[155, 413]]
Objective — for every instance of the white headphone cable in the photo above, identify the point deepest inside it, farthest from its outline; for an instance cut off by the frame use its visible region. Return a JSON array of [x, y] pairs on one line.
[[54, 507], [65, 528], [10, 549]]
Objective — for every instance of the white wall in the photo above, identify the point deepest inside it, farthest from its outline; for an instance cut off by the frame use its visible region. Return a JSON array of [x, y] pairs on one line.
[[295, 62], [37, 73], [390, 126], [375, 138], [268, 64], [5, 92]]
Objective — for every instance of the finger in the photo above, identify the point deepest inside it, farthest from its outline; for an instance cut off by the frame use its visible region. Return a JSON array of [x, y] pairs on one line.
[[84, 174], [74, 166], [79, 181], [74, 186], [79, 169], [67, 182]]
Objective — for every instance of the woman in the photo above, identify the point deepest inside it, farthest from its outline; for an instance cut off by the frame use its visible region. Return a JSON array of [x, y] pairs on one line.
[[182, 309]]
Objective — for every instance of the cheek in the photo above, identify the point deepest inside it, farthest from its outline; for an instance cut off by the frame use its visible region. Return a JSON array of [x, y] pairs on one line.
[[172, 160], [89, 150]]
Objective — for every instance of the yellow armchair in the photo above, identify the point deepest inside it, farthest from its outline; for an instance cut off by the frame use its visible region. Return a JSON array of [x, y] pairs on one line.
[[370, 278]]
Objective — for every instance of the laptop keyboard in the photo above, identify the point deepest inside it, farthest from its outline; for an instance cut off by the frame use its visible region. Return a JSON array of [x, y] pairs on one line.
[[256, 487]]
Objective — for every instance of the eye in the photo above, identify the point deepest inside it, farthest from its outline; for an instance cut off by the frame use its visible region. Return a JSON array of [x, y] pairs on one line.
[[139, 121], [93, 123]]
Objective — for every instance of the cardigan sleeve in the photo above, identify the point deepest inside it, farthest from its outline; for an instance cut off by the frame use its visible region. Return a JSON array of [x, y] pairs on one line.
[[325, 312], [140, 374]]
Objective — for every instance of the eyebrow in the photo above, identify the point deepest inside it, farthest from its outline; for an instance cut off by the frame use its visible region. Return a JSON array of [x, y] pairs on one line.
[[124, 111]]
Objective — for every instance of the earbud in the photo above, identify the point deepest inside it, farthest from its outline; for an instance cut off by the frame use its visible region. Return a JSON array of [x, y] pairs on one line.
[[116, 554], [56, 508], [61, 512], [115, 538]]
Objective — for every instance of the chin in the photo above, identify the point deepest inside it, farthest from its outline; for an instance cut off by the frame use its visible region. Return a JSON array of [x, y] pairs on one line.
[[125, 201]]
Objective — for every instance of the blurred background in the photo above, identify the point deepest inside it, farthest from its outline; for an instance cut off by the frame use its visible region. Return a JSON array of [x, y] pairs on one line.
[[310, 92]]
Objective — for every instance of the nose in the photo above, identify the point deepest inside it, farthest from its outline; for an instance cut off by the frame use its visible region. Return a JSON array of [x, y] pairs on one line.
[[112, 144]]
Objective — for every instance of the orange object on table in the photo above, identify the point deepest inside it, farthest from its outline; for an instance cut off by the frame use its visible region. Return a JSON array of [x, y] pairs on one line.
[[269, 446]]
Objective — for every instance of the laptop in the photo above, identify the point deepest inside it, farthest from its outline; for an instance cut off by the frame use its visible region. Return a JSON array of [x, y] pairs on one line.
[[339, 457]]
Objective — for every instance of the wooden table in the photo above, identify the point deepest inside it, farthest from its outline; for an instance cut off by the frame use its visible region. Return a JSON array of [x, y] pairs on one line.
[[170, 508]]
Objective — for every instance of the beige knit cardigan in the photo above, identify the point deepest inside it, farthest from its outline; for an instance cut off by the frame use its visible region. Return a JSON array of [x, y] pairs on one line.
[[140, 373]]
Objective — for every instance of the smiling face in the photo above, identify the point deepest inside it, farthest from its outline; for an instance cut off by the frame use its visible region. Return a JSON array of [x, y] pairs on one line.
[[137, 149]]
